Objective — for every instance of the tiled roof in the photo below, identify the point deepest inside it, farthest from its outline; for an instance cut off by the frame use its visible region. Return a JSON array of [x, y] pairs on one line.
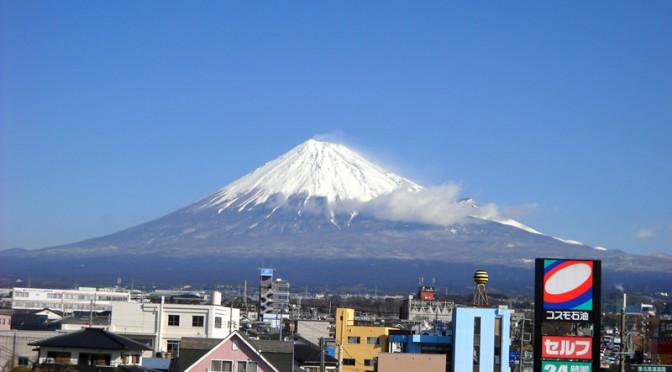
[[92, 338]]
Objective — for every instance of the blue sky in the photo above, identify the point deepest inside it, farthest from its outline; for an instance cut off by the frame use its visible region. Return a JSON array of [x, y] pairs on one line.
[[116, 113]]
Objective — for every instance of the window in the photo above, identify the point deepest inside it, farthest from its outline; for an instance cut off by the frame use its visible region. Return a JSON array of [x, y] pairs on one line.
[[348, 362], [218, 322], [247, 366], [197, 321], [221, 366], [173, 320], [373, 340], [58, 357], [353, 339], [477, 341], [173, 347], [368, 362]]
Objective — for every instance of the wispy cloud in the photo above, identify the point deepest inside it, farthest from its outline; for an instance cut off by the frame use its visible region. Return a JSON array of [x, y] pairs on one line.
[[520, 210], [645, 233], [435, 205]]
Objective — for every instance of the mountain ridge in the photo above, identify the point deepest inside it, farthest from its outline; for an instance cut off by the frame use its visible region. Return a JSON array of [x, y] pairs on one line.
[[303, 208]]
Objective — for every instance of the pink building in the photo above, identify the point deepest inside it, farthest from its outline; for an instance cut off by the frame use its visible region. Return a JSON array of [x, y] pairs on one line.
[[234, 353], [5, 320]]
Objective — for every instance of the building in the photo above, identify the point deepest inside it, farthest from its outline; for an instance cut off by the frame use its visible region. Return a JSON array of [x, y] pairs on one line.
[[14, 348], [310, 357], [5, 320], [160, 326], [483, 333], [273, 295], [235, 353], [313, 330], [90, 346], [436, 339], [661, 343], [67, 300], [425, 307], [358, 345]]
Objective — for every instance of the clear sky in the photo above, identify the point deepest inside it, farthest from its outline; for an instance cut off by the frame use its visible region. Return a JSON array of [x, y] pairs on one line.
[[113, 113]]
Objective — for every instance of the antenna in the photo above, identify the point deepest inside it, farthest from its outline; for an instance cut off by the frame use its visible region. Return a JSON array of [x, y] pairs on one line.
[[245, 296]]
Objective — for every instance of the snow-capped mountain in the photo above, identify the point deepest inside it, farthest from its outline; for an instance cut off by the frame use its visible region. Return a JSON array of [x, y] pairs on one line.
[[314, 169], [320, 209]]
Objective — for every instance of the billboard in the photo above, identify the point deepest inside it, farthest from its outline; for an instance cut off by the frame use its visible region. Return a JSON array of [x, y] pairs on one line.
[[567, 291], [547, 366], [567, 347]]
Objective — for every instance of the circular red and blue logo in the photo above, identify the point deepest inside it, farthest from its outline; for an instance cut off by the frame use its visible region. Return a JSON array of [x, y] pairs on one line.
[[568, 285]]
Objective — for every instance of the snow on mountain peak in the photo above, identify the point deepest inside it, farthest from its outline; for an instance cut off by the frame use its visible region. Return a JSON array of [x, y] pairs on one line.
[[312, 169]]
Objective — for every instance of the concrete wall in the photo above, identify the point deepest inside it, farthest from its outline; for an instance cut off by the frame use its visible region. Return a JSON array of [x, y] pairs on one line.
[[312, 330], [411, 362], [14, 344]]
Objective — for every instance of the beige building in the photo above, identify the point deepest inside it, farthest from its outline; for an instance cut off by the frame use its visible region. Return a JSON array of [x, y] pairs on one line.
[[388, 362], [358, 346]]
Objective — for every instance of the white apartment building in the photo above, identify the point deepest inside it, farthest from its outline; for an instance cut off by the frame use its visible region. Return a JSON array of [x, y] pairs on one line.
[[67, 300], [160, 326]]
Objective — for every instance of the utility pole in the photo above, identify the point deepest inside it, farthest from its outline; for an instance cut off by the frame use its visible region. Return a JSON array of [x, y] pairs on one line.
[[322, 354], [340, 357], [245, 296], [621, 351], [522, 340]]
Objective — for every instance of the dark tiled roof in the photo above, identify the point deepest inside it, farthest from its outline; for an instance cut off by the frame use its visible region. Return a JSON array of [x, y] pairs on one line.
[[92, 338], [278, 353], [192, 349], [305, 352], [309, 354]]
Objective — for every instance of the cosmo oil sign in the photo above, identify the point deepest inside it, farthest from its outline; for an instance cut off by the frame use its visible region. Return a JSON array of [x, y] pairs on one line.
[[567, 291]]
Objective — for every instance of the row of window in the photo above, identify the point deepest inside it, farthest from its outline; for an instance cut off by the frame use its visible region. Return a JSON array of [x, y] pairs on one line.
[[351, 362], [65, 306], [196, 321], [369, 340], [227, 366], [82, 297]]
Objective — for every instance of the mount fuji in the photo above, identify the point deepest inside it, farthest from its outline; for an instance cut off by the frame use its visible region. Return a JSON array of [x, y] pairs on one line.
[[323, 215]]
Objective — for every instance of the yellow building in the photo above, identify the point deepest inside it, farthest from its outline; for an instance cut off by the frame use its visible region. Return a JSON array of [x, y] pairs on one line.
[[359, 345]]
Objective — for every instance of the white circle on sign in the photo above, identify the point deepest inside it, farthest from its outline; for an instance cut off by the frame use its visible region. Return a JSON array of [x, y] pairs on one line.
[[568, 278]]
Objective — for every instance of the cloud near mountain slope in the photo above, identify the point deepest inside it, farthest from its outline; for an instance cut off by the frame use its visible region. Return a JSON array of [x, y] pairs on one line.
[[434, 205]]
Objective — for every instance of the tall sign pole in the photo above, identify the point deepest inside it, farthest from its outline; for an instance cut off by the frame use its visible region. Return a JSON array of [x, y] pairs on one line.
[[567, 292]]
